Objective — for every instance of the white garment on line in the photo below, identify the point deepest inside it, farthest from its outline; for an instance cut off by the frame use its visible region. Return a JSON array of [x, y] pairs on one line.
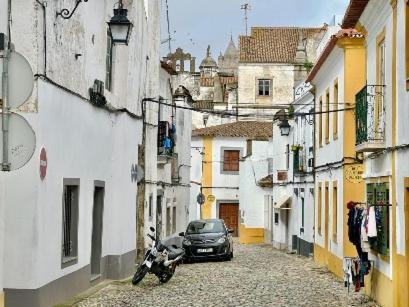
[[372, 223]]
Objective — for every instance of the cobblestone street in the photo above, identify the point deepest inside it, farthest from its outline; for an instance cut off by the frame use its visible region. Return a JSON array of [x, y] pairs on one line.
[[257, 276]]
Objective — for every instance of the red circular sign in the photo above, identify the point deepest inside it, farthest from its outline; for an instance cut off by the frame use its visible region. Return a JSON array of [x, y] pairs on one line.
[[43, 163]]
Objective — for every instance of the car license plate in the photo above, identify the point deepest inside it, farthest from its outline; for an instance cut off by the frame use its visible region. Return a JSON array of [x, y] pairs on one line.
[[148, 263], [205, 250]]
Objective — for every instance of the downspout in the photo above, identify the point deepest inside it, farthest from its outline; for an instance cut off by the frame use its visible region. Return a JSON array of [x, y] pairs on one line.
[[43, 6]]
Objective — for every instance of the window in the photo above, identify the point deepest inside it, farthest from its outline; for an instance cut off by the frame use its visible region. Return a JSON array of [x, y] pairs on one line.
[[334, 211], [302, 212], [276, 216], [335, 114], [378, 194], [174, 220], [150, 206], [327, 117], [231, 160], [319, 217], [320, 123], [168, 221], [264, 87], [70, 222], [108, 76]]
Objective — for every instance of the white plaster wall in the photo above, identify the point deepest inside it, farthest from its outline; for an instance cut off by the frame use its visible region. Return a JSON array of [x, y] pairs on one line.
[[195, 177], [81, 141], [34, 214], [282, 83], [252, 196]]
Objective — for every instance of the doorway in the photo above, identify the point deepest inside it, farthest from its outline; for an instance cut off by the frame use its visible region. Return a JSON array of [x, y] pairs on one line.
[[97, 228], [229, 212]]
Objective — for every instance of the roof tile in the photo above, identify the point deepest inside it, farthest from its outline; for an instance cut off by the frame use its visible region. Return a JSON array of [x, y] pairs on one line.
[[247, 129]]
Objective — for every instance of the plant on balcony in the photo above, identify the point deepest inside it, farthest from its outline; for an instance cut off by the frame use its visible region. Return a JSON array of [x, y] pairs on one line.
[[296, 147]]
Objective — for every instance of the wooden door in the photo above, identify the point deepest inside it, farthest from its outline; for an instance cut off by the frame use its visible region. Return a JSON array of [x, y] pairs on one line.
[[230, 214]]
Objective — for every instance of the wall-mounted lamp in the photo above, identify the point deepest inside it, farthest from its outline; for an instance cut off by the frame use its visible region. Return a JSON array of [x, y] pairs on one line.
[[66, 14], [120, 26], [284, 127]]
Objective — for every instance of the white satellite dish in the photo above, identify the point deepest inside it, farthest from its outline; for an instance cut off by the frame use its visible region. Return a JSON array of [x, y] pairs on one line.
[[22, 141], [21, 80]]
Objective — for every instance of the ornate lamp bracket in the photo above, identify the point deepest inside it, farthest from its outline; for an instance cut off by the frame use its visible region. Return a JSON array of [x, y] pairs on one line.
[[66, 14]]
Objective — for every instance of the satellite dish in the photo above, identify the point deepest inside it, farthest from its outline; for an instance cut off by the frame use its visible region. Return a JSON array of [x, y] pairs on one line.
[[21, 80], [22, 141]]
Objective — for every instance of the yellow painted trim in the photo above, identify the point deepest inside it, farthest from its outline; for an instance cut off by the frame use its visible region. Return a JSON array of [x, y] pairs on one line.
[[1, 299], [382, 179], [335, 211], [326, 215], [395, 259], [320, 132], [380, 288], [251, 235], [207, 179], [319, 205], [380, 39], [328, 259], [327, 99], [354, 81], [335, 108]]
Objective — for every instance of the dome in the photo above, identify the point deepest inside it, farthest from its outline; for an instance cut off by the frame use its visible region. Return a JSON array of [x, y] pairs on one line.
[[208, 62]]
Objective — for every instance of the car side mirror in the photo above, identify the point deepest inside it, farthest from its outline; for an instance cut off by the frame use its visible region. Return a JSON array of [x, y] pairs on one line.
[[230, 230], [181, 234]]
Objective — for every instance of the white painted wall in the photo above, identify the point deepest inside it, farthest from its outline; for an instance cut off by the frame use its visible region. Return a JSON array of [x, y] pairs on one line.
[[197, 151], [252, 197], [82, 141]]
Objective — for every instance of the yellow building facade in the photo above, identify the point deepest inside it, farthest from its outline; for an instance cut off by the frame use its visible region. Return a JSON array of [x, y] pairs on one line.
[[366, 66]]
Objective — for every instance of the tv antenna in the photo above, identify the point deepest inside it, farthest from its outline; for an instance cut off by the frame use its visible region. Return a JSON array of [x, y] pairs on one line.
[[246, 7]]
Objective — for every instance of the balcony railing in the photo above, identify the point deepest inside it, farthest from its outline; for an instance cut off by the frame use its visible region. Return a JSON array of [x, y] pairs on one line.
[[370, 118]]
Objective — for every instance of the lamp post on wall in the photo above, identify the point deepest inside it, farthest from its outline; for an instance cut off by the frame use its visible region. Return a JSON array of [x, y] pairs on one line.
[[284, 127], [120, 26]]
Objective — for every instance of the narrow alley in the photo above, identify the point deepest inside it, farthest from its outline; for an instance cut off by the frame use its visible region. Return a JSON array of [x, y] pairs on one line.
[[258, 275]]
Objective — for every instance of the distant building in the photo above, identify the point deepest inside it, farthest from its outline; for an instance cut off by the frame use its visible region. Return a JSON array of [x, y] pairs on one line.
[[213, 87], [228, 161], [272, 62]]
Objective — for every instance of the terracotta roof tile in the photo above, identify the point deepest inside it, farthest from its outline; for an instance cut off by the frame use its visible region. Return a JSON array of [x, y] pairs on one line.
[[353, 13], [247, 129], [272, 44]]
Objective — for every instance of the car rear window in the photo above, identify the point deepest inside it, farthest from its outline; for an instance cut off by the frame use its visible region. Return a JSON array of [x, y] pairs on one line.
[[205, 227]]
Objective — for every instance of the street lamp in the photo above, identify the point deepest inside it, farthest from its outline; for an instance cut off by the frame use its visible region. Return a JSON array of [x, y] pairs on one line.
[[284, 127], [120, 26]]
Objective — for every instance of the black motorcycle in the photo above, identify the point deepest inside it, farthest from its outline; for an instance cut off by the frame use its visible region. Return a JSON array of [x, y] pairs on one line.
[[160, 260]]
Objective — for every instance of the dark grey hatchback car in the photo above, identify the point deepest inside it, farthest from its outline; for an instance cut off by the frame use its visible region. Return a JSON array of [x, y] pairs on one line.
[[207, 239]]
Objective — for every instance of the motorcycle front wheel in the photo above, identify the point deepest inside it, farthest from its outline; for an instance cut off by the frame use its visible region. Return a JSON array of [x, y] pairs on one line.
[[165, 277], [140, 274]]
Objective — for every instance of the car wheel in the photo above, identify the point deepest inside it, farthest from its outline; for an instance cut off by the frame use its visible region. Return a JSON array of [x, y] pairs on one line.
[[231, 255]]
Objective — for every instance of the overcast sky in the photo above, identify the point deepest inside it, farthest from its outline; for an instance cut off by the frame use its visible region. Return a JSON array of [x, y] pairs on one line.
[[194, 24]]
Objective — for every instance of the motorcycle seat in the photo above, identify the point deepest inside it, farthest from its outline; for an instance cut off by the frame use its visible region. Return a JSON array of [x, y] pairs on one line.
[[175, 252]]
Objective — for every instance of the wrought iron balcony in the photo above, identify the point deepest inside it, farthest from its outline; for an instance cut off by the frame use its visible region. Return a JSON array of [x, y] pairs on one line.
[[370, 118]]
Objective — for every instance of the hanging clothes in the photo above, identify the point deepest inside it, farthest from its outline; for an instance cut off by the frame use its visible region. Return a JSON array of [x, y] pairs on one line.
[[372, 232]]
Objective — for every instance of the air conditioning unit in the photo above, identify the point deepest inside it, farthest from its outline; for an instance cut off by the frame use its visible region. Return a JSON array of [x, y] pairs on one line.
[[96, 93]]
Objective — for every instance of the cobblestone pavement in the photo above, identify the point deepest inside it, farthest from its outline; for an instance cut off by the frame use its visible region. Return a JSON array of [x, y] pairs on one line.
[[257, 276]]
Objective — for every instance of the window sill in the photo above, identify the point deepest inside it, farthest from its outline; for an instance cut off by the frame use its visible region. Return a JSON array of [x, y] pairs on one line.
[[68, 261]]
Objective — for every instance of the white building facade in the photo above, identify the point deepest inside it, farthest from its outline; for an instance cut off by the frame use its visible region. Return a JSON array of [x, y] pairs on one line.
[[293, 191], [64, 233]]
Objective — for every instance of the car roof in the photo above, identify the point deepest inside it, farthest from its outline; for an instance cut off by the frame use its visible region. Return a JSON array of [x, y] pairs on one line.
[[208, 220]]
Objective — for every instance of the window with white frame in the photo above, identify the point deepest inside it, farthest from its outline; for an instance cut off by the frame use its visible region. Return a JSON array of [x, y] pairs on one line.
[[264, 87]]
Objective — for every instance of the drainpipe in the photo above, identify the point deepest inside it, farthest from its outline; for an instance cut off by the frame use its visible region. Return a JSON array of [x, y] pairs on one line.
[[43, 6]]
